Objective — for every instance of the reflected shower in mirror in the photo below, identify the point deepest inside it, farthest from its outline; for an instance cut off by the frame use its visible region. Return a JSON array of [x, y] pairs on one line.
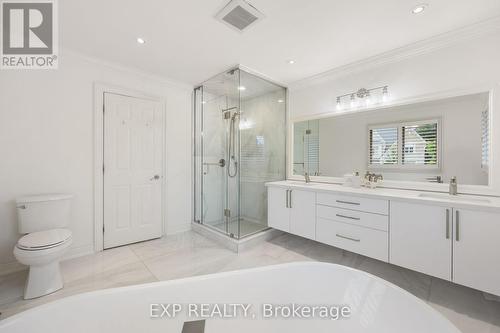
[[424, 142]]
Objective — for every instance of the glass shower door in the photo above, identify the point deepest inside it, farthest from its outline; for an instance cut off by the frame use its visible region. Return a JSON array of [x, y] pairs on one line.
[[220, 154], [214, 180]]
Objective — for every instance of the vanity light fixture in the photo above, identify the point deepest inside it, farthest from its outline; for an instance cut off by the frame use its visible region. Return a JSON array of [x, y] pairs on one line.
[[140, 40], [364, 97], [419, 8], [280, 101], [242, 88], [385, 94], [368, 100], [353, 101]]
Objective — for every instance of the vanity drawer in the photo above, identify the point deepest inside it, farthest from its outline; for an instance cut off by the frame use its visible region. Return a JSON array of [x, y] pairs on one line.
[[368, 242], [378, 206], [369, 220]]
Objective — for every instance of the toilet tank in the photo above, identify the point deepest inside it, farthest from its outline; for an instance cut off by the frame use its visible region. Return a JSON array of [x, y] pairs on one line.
[[43, 212]]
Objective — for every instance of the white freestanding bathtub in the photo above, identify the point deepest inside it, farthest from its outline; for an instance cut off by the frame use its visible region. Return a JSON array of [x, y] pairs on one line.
[[375, 305]]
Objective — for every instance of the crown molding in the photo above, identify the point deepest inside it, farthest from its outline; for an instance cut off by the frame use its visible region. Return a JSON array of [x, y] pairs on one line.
[[412, 50], [64, 51]]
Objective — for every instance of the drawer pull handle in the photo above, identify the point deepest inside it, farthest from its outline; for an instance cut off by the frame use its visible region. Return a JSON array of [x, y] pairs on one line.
[[457, 226], [348, 238], [348, 217], [348, 202]]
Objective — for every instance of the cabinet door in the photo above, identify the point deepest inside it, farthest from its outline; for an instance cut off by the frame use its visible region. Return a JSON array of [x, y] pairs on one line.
[[476, 250], [421, 238], [303, 213], [278, 214]]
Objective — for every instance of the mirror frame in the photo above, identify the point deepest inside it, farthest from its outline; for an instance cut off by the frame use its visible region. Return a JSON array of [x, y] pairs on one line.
[[493, 187]]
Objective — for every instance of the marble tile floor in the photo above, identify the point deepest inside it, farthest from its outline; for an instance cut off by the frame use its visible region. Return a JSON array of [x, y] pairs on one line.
[[190, 254]]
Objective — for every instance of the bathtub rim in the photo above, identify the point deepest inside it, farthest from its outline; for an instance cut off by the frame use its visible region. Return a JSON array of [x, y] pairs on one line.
[[19, 316]]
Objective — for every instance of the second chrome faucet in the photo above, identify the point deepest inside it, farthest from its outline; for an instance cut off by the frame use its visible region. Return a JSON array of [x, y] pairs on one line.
[[453, 186]]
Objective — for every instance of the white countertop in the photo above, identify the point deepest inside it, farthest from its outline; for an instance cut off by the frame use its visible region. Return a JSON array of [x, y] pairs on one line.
[[432, 198]]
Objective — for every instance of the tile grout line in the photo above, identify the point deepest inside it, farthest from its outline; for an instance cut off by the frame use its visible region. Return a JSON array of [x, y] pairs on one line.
[[141, 260]]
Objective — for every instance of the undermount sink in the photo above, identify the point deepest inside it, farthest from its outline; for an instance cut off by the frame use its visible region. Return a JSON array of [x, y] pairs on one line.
[[302, 183], [446, 196]]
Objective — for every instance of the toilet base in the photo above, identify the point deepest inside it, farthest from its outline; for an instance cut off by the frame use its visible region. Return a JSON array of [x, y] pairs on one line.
[[43, 280]]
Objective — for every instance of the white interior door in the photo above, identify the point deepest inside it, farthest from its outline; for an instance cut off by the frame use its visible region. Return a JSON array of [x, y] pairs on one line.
[[133, 164]]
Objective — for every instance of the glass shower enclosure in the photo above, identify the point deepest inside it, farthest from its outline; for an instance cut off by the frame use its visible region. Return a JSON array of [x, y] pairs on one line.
[[239, 144]]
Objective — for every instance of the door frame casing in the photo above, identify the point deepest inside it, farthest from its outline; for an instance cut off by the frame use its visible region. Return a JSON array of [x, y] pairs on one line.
[[100, 89]]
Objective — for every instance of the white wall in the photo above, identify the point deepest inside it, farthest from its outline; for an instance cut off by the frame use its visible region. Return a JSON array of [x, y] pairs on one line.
[[344, 139], [46, 142], [458, 65]]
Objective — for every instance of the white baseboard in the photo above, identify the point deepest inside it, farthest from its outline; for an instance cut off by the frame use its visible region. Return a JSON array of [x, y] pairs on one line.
[[79, 251], [177, 229], [11, 267], [73, 252]]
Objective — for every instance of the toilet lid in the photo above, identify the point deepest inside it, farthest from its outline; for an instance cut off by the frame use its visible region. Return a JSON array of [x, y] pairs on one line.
[[44, 239]]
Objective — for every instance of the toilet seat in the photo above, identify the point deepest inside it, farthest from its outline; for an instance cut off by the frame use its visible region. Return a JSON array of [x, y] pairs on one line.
[[42, 240]]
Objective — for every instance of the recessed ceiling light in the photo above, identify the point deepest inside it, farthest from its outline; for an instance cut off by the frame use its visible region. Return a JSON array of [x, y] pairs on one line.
[[291, 61], [140, 40], [242, 88], [419, 8], [280, 101]]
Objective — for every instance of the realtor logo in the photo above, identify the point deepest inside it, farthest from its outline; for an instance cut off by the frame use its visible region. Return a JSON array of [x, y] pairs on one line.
[[29, 34]]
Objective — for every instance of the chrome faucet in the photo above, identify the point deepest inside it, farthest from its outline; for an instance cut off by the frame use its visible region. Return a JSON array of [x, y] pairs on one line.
[[373, 177], [306, 176], [453, 186]]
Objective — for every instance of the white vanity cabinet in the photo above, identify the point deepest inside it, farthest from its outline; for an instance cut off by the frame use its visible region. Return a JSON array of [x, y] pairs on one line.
[[356, 224], [458, 241], [450, 243], [293, 211], [420, 238], [278, 213], [302, 213], [476, 250]]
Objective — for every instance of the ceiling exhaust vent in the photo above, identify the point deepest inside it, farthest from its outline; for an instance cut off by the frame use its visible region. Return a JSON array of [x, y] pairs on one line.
[[239, 15]]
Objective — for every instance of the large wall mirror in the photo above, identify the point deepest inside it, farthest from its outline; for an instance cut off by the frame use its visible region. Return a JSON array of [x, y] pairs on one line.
[[427, 142]]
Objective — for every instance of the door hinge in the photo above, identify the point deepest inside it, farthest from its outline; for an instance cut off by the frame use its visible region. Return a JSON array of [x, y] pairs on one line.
[[227, 212]]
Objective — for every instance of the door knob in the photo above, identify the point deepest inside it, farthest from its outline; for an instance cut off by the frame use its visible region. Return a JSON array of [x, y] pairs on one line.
[[155, 177]]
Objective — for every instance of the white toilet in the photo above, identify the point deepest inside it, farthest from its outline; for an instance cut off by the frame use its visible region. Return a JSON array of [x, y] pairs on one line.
[[43, 218]]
